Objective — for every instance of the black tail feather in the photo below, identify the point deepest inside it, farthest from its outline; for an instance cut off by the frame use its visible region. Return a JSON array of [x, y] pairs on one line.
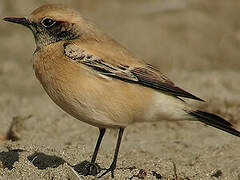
[[215, 121]]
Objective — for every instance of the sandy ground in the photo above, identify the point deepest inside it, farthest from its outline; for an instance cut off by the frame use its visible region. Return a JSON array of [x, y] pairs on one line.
[[195, 42]]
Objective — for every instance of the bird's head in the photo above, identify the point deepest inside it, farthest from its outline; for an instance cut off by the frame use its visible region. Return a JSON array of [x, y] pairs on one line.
[[52, 23]]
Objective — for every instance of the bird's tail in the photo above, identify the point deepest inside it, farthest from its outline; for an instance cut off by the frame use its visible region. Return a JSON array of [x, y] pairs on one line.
[[215, 121]]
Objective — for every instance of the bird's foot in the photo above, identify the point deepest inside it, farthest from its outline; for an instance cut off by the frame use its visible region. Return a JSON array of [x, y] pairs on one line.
[[110, 169], [87, 168]]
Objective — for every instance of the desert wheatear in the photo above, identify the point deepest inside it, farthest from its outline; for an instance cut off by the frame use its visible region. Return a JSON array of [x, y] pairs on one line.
[[96, 80]]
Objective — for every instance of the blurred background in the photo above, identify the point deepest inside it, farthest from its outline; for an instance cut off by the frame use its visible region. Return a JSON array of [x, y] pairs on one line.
[[196, 43]]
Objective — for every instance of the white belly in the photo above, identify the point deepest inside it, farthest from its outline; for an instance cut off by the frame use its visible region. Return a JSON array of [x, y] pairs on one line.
[[165, 107]]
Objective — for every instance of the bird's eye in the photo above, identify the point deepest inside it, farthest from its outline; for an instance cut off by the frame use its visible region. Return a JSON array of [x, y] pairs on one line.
[[48, 22]]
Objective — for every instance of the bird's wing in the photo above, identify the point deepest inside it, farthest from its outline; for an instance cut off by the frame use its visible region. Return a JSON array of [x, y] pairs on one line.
[[147, 76]]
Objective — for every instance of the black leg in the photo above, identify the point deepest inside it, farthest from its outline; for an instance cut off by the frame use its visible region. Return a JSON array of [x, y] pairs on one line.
[[114, 162], [100, 137], [91, 168]]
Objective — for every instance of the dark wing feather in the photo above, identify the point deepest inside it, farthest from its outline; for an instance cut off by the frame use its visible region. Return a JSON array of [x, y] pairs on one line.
[[215, 121], [146, 76], [149, 77]]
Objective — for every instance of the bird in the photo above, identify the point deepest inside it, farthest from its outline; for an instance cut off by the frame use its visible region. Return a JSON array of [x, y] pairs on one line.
[[96, 80]]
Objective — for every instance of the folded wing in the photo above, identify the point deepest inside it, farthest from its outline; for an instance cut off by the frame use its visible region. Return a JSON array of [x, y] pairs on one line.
[[146, 76]]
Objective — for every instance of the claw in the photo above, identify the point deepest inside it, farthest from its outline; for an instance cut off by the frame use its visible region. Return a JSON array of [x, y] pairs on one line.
[[87, 168], [110, 169]]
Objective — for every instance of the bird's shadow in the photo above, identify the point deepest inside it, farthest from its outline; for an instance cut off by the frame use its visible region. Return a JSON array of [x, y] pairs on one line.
[[38, 159], [41, 161], [9, 158]]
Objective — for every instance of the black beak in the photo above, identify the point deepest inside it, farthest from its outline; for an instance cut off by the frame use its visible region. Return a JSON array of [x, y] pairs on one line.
[[18, 20]]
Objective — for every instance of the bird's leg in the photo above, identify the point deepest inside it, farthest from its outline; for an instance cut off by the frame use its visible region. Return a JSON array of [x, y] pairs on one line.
[[114, 162], [92, 168], [100, 137]]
